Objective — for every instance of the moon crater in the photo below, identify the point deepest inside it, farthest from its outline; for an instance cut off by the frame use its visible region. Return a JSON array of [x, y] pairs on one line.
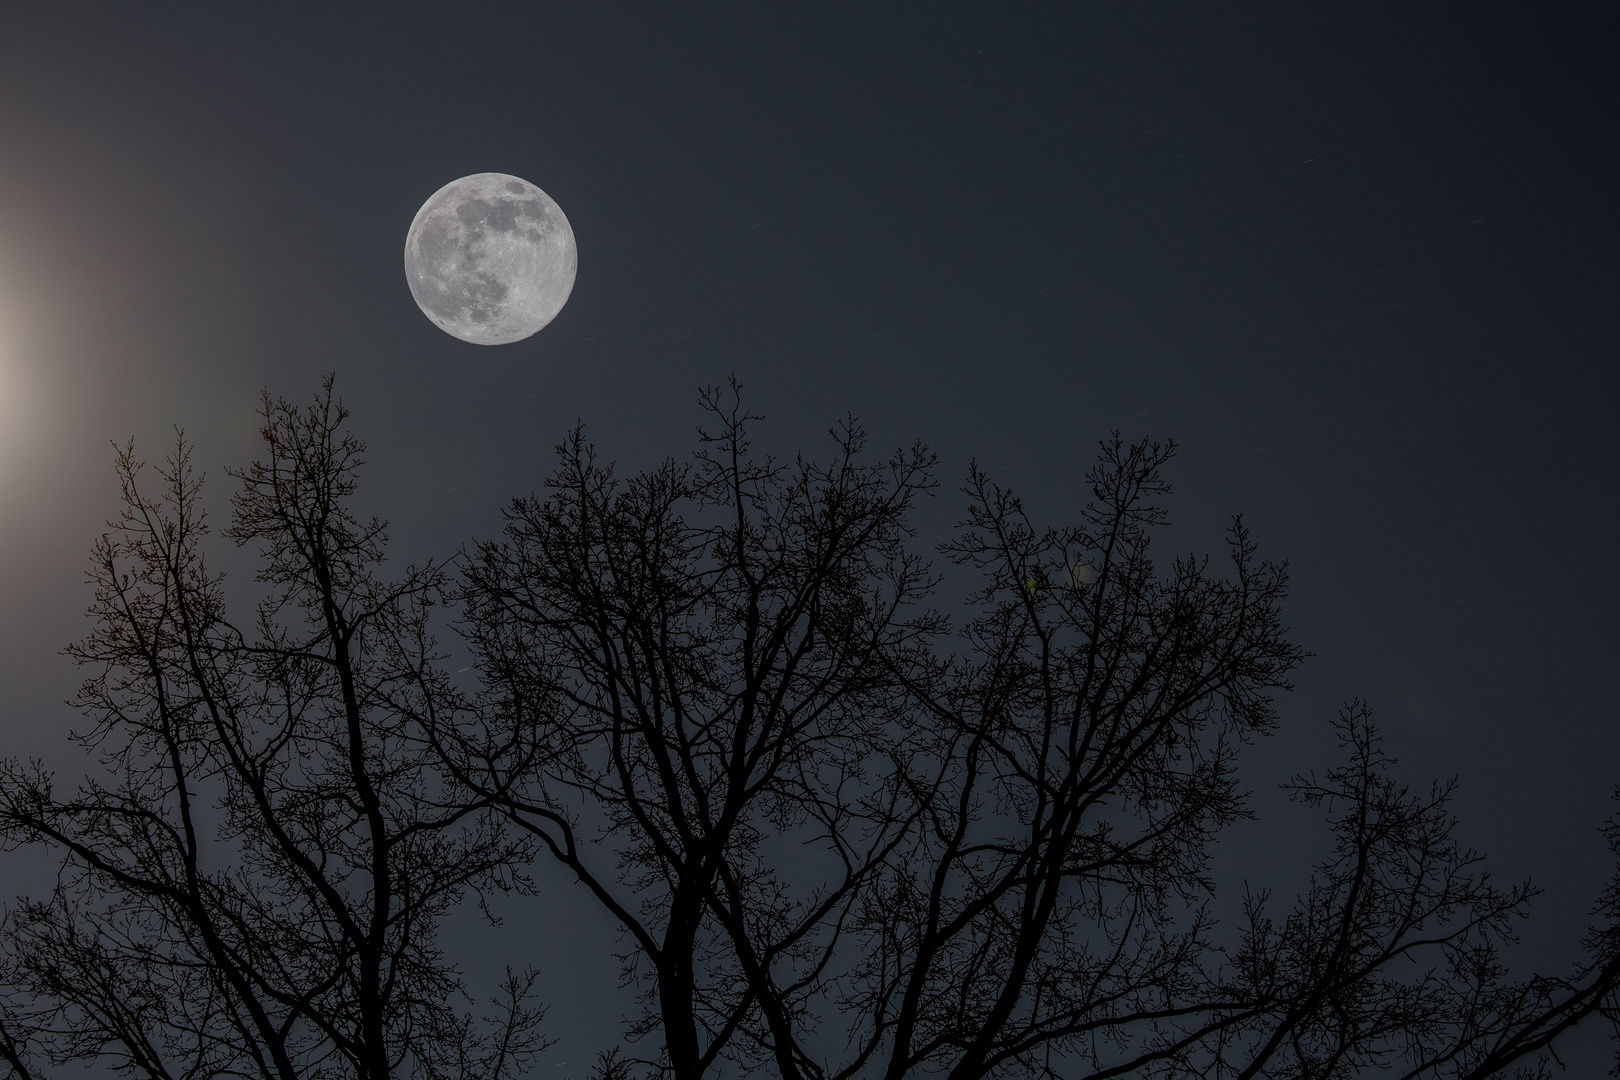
[[490, 258]]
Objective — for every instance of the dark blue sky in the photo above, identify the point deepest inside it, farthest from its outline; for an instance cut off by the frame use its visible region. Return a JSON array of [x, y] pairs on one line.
[[1359, 260]]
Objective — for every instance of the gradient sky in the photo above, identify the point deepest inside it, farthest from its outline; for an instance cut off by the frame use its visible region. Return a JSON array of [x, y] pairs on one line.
[[1359, 260]]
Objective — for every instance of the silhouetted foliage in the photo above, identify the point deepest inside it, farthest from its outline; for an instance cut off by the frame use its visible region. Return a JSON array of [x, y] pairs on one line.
[[254, 886], [843, 834]]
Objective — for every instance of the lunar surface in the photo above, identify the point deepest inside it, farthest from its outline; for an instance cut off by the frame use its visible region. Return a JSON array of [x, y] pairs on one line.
[[490, 258]]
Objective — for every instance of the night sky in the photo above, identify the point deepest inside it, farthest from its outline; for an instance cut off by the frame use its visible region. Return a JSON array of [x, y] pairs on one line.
[[1360, 261]]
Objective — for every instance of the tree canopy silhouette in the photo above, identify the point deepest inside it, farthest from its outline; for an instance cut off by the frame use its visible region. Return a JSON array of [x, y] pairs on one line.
[[845, 834], [254, 888]]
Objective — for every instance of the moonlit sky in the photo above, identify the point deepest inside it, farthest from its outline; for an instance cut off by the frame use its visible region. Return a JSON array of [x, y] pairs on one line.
[[1360, 261]]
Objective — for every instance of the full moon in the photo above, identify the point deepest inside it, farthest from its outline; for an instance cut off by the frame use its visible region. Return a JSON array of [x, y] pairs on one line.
[[490, 258]]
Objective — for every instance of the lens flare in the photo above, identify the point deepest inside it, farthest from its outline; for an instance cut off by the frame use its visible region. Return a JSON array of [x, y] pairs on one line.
[[1080, 574]]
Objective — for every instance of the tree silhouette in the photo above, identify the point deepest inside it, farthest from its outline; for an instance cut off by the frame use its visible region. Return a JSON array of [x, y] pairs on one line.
[[840, 848], [254, 886], [720, 691], [844, 835]]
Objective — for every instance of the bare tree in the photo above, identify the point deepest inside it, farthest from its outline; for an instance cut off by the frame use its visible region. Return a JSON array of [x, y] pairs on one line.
[[1390, 960], [843, 836], [253, 883], [700, 658], [838, 848]]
